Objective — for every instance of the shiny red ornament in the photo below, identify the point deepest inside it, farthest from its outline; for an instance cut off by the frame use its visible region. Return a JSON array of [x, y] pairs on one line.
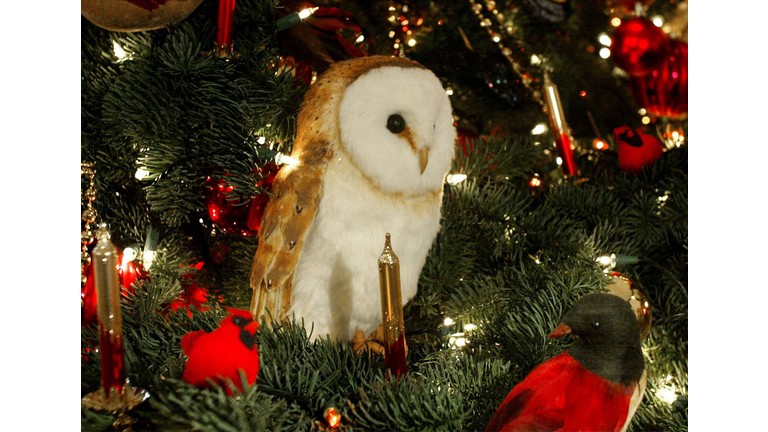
[[638, 46], [193, 295], [235, 217], [664, 91], [636, 149], [223, 353]]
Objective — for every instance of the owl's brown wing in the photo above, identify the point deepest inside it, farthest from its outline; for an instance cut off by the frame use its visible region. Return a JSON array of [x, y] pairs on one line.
[[296, 192]]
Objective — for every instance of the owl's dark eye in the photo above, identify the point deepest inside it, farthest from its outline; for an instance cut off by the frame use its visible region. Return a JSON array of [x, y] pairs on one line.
[[596, 324], [396, 123]]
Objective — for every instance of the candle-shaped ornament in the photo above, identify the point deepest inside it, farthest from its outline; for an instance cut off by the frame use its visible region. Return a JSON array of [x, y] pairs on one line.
[[559, 126], [114, 394], [392, 311]]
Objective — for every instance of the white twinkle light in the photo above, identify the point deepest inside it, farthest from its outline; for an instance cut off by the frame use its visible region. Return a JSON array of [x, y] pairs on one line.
[[141, 173], [535, 59], [129, 254], [559, 160], [149, 257], [119, 51], [411, 42], [261, 140], [282, 159], [667, 394], [460, 342], [605, 53], [449, 91], [539, 129], [360, 39], [454, 179], [469, 327], [658, 21], [307, 12], [604, 39], [448, 321]]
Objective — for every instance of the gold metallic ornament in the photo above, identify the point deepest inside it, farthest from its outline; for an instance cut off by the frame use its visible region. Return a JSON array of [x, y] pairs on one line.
[[633, 293]]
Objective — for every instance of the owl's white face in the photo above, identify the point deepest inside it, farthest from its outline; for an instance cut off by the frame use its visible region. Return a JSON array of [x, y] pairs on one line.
[[397, 126]]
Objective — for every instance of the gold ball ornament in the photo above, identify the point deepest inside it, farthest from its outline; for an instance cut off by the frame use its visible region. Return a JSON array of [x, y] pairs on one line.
[[630, 291], [136, 15]]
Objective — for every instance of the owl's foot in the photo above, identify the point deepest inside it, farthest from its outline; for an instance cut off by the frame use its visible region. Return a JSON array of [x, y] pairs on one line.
[[373, 343]]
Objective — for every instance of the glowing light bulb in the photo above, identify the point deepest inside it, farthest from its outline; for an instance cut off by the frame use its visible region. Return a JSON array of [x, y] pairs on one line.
[[411, 42], [469, 327], [616, 22], [261, 140], [149, 258], [539, 129], [535, 182], [605, 52], [559, 160], [600, 144], [658, 21], [360, 39], [454, 179], [496, 38], [449, 91], [460, 342], [642, 111], [119, 51], [646, 120], [307, 12], [604, 260], [535, 59], [604, 39], [391, 34], [448, 321], [141, 173], [282, 159], [667, 394]]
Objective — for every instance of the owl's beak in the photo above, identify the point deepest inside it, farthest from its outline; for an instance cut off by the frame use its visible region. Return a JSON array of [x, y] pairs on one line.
[[423, 159]]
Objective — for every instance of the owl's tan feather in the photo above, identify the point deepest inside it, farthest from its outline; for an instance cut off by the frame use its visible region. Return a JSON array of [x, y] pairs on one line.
[[297, 189]]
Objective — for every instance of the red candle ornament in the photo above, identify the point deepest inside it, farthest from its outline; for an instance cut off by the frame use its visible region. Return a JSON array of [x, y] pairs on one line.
[[395, 350], [226, 24], [559, 126]]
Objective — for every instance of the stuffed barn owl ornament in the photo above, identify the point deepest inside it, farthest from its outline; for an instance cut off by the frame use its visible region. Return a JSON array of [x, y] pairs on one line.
[[375, 141]]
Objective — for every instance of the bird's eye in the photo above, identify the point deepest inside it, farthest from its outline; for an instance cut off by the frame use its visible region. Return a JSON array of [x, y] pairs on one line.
[[596, 324], [238, 321], [396, 123]]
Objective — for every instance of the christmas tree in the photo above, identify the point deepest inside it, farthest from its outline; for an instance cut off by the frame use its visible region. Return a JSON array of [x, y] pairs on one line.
[[182, 136]]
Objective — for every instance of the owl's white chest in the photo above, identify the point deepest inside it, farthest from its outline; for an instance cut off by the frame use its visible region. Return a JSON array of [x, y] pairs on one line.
[[336, 281]]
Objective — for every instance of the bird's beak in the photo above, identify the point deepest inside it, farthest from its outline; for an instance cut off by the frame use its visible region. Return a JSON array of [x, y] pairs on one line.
[[561, 330], [423, 159], [251, 327]]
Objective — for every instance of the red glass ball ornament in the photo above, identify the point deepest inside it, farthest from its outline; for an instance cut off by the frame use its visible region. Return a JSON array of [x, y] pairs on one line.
[[638, 46], [235, 217], [664, 91]]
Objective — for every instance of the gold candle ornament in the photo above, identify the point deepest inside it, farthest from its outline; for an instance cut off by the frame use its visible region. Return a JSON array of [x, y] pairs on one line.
[[392, 311], [114, 395]]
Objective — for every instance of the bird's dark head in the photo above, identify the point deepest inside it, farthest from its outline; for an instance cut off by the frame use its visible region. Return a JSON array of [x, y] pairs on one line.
[[607, 336], [245, 324]]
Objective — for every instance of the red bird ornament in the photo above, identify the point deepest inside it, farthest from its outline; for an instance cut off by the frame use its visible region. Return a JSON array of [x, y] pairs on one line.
[[636, 149], [589, 386], [223, 353]]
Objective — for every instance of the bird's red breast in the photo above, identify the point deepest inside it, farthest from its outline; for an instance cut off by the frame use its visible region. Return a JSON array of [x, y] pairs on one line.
[[562, 395], [221, 354], [637, 149]]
